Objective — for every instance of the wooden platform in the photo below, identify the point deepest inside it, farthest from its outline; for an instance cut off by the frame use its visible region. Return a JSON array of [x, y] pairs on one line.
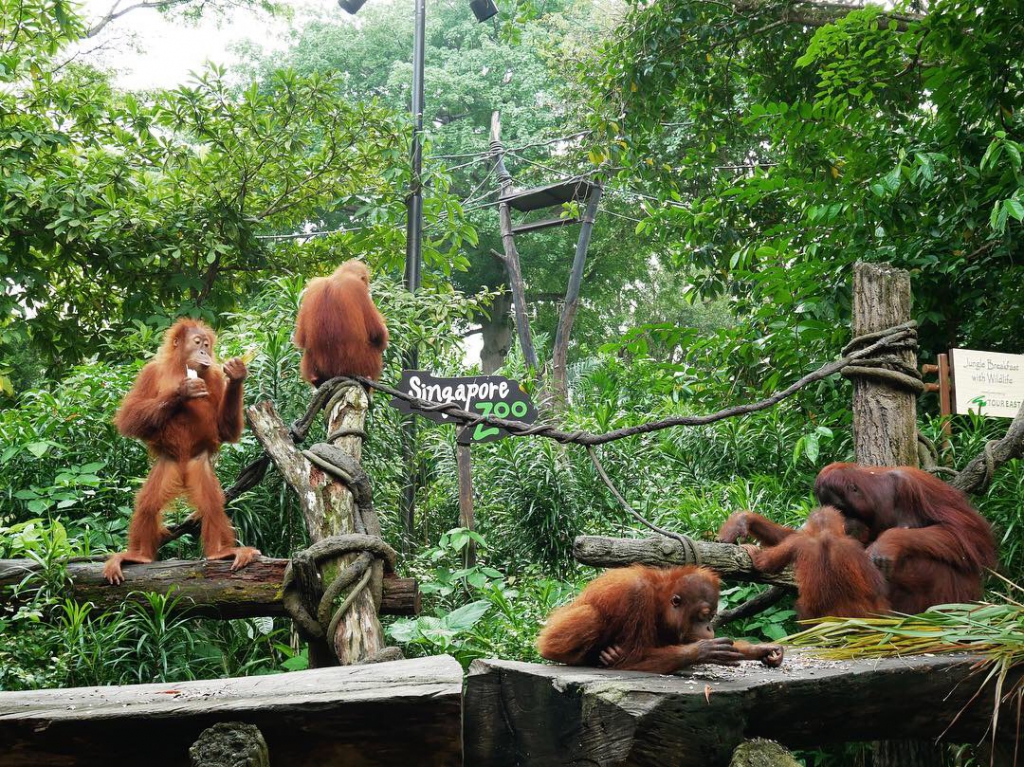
[[521, 714], [401, 713]]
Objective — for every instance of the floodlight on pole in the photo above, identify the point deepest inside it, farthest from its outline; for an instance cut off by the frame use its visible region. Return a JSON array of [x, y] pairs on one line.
[[352, 6], [483, 9]]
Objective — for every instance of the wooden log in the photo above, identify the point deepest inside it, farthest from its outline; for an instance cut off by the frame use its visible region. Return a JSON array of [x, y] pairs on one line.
[[335, 716], [884, 417], [526, 715], [885, 430], [728, 560], [207, 588], [329, 509]]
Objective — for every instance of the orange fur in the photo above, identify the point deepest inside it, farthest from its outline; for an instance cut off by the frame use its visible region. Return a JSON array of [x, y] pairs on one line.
[[834, 574], [922, 536], [932, 544], [183, 431], [652, 619], [339, 328]]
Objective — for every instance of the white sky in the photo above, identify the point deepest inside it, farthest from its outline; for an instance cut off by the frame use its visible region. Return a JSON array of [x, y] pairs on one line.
[[149, 51]]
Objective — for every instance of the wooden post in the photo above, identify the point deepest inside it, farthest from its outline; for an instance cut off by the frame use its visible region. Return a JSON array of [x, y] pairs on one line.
[[942, 387], [945, 393], [466, 518], [508, 242], [884, 417], [885, 432], [572, 299], [329, 509]]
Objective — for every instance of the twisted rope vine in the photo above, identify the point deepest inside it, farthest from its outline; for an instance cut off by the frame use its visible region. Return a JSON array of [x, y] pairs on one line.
[[871, 352]]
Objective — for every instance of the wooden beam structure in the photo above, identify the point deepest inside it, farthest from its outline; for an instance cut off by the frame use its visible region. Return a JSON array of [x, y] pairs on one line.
[[204, 587], [576, 189], [385, 714], [547, 223], [530, 715]]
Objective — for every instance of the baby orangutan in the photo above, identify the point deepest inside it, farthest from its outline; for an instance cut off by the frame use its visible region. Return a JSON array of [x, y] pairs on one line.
[[646, 619]]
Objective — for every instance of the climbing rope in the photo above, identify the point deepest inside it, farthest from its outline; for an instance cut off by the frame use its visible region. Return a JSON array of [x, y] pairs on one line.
[[691, 553], [871, 351], [311, 605], [889, 368]]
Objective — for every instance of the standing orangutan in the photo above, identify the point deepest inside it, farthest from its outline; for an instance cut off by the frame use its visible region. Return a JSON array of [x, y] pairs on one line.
[[183, 406], [646, 619], [339, 328], [923, 535]]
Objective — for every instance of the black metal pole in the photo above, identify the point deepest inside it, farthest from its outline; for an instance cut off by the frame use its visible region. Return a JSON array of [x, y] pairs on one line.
[[414, 253], [414, 219]]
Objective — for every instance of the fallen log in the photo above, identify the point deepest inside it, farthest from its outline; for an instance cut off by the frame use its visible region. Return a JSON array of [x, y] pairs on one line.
[[728, 560], [207, 588], [385, 714], [526, 715]]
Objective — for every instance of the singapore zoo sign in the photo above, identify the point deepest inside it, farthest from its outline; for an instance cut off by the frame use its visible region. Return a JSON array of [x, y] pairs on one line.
[[487, 395]]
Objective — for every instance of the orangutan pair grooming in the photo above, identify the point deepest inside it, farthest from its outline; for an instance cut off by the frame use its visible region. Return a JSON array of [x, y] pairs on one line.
[[887, 538]]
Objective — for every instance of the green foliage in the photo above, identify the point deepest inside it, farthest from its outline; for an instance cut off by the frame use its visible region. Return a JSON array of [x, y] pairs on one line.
[[860, 139], [122, 210], [475, 612]]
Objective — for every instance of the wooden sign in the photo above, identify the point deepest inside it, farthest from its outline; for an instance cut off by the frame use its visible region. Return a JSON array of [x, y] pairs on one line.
[[988, 383], [488, 395]]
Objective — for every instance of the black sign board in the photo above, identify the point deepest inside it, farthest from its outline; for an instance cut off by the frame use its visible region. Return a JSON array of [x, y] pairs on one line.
[[487, 395]]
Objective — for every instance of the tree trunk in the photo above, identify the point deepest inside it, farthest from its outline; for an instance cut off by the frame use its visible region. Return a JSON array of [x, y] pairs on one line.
[[467, 518], [885, 432], [497, 334], [508, 242], [329, 509], [884, 417]]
